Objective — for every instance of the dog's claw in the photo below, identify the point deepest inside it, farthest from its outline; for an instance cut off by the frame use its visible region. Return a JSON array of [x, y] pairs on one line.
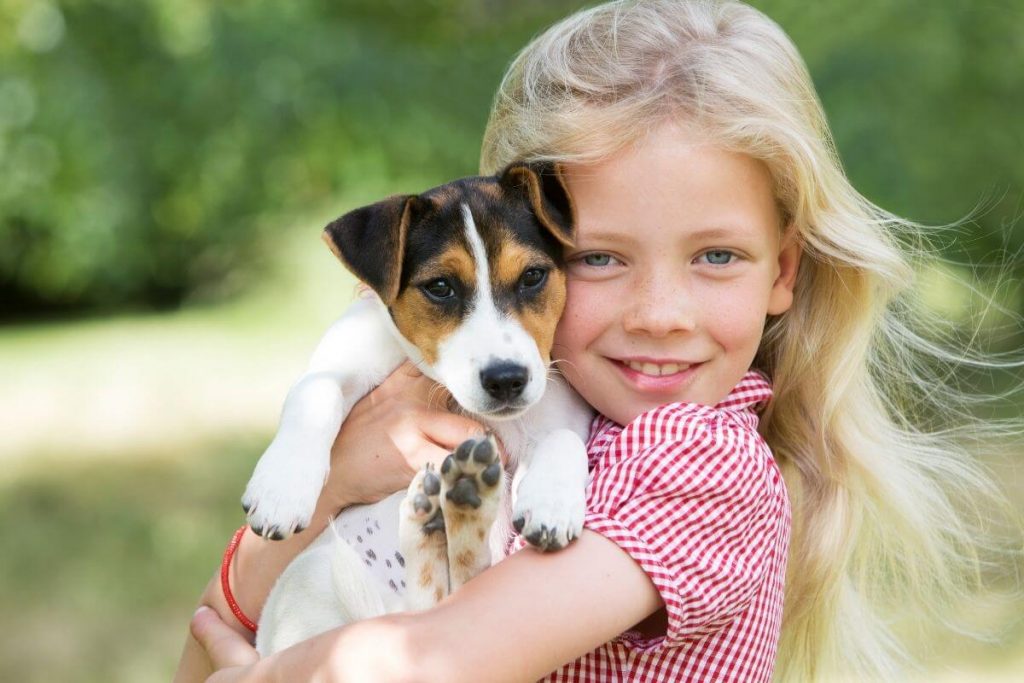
[[431, 482]]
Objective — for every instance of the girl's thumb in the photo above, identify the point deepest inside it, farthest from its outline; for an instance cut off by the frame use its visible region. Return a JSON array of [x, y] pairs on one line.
[[224, 646]]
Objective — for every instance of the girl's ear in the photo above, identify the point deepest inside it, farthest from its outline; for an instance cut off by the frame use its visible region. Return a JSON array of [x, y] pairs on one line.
[[781, 297], [548, 196]]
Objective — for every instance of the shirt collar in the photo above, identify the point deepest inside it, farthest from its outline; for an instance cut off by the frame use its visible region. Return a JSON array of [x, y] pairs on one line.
[[753, 392]]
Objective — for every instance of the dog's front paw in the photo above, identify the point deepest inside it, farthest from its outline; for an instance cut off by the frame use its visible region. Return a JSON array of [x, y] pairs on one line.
[[284, 488], [547, 512], [471, 474]]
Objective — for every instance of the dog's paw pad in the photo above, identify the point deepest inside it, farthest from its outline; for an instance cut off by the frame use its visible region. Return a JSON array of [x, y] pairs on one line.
[[423, 500], [472, 472]]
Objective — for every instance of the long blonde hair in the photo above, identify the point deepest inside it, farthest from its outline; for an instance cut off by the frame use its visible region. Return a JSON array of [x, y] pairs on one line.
[[885, 510]]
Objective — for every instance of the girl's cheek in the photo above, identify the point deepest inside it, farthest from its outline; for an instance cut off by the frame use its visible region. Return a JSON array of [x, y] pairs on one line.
[[580, 313], [735, 317]]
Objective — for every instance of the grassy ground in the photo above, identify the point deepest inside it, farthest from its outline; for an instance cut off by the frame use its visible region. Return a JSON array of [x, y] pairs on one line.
[[127, 443]]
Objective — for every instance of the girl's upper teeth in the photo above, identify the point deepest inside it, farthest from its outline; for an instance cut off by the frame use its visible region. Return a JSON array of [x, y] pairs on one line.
[[654, 369]]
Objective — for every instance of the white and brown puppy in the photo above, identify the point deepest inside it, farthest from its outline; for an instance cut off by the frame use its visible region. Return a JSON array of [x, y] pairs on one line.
[[469, 285]]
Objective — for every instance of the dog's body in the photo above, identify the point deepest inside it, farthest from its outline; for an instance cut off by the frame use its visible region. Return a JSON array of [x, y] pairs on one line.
[[469, 286]]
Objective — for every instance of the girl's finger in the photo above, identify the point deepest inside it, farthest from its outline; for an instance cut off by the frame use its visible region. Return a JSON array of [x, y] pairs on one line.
[[448, 430], [224, 646], [406, 380]]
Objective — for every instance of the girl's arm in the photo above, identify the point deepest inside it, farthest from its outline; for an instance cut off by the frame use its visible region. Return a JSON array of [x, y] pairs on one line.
[[517, 621], [387, 437]]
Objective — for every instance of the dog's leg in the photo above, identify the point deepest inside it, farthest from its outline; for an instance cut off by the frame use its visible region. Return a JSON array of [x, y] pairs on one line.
[[355, 355], [471, 485], [423, 541], [549, 487]]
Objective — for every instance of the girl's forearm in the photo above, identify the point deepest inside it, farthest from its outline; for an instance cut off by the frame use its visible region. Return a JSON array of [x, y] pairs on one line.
[[374, 650], [255, 567]]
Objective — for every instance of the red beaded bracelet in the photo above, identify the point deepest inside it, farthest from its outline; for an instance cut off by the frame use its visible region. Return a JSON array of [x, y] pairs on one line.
[[225, 585]]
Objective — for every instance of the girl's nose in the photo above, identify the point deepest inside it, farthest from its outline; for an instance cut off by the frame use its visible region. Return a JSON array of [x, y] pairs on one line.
[[659, 309]]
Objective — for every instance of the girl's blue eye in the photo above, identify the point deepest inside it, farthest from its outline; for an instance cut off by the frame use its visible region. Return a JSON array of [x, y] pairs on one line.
[[718, 257], [597, 259]]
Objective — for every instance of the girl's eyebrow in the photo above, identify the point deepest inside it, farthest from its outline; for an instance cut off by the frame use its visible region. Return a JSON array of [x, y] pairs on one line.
[[717, 232], [607, 236]]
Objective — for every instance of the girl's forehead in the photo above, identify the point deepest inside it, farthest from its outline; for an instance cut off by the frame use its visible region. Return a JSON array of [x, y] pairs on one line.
[[672, 183]]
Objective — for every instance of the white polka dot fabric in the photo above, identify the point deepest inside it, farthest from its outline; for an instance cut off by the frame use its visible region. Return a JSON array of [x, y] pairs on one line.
[[372, 530]]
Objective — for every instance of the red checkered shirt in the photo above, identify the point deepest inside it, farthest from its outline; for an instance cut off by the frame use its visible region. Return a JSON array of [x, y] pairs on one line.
[[693, 494]]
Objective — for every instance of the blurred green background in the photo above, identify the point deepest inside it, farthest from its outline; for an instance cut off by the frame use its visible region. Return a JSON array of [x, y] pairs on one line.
[[166, 167]]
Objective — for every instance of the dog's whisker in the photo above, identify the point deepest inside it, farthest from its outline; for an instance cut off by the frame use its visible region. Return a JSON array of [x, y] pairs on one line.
[[560, 361], [434, 392]]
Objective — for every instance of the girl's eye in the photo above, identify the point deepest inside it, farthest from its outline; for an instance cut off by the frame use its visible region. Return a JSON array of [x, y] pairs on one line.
[[532, 279], [439, 289], [597, 259], [718, 257]]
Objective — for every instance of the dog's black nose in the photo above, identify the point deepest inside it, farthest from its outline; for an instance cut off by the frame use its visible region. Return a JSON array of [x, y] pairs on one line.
[[504, 381]]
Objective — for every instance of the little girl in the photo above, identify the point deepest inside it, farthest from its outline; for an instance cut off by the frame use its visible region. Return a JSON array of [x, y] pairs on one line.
[[729, 291]]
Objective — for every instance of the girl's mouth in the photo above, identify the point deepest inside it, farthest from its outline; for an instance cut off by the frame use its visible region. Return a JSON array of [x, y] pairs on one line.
[[655, 377], [655, 369]]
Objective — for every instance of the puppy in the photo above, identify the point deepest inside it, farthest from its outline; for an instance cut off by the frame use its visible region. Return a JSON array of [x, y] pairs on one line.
[[469, 284]]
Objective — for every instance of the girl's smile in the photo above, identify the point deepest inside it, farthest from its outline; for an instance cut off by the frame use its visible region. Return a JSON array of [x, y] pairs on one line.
[[654, 377], [679, 259]]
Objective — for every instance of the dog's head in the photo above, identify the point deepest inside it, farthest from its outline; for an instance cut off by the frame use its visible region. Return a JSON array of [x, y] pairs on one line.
[[472, 274]]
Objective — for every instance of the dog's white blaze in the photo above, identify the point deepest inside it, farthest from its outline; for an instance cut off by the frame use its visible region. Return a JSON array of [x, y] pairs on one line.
[[485, 337]]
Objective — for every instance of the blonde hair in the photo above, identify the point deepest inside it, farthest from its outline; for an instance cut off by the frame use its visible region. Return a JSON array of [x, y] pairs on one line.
[[885, 511]]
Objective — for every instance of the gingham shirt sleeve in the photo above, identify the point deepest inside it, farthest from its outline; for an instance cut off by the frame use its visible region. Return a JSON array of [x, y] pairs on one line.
[[695, 500]]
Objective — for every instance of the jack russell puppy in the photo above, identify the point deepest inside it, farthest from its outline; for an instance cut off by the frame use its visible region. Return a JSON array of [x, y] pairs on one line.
[[468, 281]]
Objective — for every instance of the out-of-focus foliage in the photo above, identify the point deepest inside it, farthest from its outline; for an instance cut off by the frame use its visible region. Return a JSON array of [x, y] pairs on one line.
[[150, 148], [146, 142]]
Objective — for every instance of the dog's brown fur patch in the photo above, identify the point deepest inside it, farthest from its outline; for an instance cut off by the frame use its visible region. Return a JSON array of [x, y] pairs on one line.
[[453, 521], [464, 560], [539, 316], [422, 323], [426, 577], [537, 320]]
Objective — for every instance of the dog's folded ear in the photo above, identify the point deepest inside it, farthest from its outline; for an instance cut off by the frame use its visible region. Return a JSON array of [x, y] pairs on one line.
[[547, 193], [370, 241]]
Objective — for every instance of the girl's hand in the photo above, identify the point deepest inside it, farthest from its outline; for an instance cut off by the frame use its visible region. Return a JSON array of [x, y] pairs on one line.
[[230, 655], [390, 434]]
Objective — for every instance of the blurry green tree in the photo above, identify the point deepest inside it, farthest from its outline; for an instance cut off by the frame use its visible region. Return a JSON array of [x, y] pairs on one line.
[[148, 148]]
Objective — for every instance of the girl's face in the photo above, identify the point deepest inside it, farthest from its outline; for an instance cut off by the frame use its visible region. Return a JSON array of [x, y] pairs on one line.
[[678, 260]]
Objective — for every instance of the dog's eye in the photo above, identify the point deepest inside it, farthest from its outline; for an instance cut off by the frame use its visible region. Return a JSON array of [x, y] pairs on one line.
[[532, 279], [439, 289]]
